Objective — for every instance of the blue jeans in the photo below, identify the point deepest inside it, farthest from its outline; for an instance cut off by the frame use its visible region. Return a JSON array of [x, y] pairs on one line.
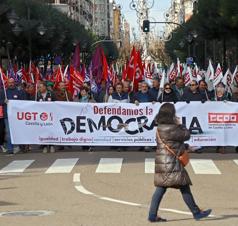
[[8, 137], [159, 193]]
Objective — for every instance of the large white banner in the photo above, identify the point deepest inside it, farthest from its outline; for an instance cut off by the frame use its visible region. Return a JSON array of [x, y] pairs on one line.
[[106, 124]]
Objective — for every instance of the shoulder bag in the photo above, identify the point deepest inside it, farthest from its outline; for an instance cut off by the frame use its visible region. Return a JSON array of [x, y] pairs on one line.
[[184, 158]]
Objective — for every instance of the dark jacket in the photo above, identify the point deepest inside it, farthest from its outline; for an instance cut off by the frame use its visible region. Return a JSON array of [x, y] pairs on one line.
[[168, 170], [188, 96], [49, 96], [119, 98], [153, 92], [143, 97], [14, 94], [168, 97], [63, 95], [178, 92], [2, 100]]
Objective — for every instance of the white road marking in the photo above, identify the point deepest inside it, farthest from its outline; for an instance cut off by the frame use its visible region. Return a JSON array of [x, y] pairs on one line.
[[84, 191], [236, 161], [204, 166], [62, 166], [109, 165], [120, 201], [17, 166], [81, 189], [77, 178], [149, 165]]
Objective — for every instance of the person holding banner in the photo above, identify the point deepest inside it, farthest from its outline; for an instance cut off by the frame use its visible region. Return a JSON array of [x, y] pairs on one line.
[[169, 171], [193, 93], [12, 93], [44, 94], [168, 95], [221, 95], [2, 127]]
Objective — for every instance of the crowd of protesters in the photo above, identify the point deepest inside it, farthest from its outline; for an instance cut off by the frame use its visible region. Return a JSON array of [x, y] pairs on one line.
[[121, 92]]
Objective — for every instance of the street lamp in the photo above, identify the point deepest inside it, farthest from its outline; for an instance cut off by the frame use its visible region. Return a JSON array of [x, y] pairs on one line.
[[41, 29], [12, 17], [17, 29]]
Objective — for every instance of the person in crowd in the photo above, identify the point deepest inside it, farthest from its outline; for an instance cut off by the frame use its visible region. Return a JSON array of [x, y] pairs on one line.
[[168, 95], [50, 86], [178, 88], [169, 172], [119, 96], [143, 95], [99, 96], [61, 93], [30, 91], [126, 88], [44, 94], [2, 126], [154, 91], [234, 98], [139, 86], [13, 93], [202, 86], [84, 97], [109, 93], [193, 93], [221, 95]]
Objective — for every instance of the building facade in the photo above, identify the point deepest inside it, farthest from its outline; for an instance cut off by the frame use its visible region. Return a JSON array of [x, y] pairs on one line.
[[179, 12], [101, 18], [78, 10]]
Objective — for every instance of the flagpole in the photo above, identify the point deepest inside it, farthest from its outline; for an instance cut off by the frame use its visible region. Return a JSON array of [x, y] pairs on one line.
[[63, 78], [206, 94], [3, 83]]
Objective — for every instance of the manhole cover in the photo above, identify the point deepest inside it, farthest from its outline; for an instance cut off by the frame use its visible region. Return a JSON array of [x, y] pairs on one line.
[[39, 213]]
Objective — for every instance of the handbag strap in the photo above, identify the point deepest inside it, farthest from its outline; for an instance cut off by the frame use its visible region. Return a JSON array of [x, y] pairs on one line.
[[166, 146]]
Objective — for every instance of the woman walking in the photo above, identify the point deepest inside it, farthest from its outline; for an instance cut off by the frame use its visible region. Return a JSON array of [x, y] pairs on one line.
[[169, 172]]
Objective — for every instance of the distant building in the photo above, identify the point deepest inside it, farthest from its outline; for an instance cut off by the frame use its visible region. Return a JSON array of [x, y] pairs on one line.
[[179, 12], [101, 18], [78, 10]]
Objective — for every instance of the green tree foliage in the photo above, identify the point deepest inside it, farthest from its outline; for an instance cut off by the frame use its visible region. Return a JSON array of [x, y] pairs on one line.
[[61, 32], [216, 22]]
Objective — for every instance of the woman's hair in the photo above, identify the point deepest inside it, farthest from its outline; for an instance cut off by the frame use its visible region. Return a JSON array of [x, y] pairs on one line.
[[166, 114]]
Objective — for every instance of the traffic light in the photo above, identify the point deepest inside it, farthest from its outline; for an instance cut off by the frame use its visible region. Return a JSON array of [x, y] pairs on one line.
[[146, 26]]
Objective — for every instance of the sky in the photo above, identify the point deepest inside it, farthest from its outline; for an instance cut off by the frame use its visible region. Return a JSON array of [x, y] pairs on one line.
[[156, 13]]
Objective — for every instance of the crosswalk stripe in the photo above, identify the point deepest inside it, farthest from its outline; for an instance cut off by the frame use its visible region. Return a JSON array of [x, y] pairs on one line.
[[236, 161], [62, 166], [17, 166], [204, 166], [149, 165], [109, 165]]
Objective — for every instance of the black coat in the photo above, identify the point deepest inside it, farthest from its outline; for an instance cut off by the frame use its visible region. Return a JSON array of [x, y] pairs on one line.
[[169, 172], [188, 96], [168, 97]]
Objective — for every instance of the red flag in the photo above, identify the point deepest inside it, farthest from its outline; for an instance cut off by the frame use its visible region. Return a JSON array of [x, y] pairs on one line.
[[131, 69], [139, 72], [3, 78], [104, 67], [76, 79], [172, 72], [124, 71]]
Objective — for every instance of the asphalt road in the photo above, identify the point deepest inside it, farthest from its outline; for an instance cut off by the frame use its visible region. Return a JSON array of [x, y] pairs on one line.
[[111, 188]]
